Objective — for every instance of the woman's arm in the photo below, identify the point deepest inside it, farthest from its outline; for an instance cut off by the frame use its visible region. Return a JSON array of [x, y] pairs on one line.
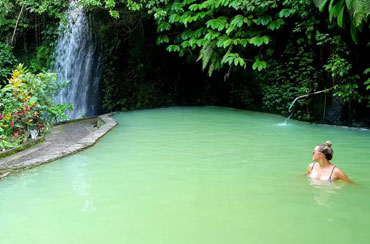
[[309, 167], [340, 175]]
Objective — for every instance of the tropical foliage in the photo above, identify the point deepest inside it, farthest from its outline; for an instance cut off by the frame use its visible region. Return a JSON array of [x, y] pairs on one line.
[[26, 106], [354, 12], [28, 29], [255, 54], [295, 48]]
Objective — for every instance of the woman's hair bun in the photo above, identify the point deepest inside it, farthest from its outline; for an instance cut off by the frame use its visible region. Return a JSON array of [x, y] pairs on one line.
[[328, 143]]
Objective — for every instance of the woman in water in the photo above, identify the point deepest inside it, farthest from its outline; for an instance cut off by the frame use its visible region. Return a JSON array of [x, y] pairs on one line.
[[322, 169]]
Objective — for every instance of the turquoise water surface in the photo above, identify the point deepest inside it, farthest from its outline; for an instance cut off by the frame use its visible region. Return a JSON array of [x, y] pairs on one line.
[[194, 175]]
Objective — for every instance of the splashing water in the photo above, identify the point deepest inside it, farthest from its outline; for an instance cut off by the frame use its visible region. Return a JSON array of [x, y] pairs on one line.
[[286, 120]]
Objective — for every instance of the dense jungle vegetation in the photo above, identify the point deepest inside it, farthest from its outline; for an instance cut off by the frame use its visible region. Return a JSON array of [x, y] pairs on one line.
[[250, 54]]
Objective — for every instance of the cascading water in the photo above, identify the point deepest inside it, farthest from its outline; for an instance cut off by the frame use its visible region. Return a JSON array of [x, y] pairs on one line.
[[306, 95], [79, 61]]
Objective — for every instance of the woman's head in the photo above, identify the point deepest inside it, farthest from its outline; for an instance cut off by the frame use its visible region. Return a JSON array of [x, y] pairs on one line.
[[325, 149]]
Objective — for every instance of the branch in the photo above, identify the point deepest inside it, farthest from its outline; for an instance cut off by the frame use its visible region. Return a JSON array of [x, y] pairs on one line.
[[227, 75], [314, 93], [16, 25], [309, 94]]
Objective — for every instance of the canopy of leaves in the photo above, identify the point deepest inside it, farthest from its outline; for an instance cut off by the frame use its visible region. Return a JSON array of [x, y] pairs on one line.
[[280, 48]]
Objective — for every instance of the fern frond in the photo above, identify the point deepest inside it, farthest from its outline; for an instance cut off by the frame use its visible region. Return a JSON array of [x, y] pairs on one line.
[[211, 69], [359, 10], [205, 55], [320, 4]]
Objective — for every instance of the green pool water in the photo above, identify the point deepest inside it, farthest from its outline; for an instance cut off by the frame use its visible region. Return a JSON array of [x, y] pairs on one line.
[[198, 175]]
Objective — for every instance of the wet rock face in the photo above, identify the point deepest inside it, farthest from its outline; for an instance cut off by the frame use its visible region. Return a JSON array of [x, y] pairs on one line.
[[334, 114], [341, 113]]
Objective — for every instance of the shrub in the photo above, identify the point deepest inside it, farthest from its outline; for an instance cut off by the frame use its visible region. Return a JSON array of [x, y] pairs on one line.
[[27, 108], [7, 62]]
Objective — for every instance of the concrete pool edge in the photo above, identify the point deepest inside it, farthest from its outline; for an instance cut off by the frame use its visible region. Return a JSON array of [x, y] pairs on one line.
[[8, 167]]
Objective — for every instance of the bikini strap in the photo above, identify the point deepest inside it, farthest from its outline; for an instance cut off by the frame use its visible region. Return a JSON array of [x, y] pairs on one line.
[[331, 173], [312, 167]]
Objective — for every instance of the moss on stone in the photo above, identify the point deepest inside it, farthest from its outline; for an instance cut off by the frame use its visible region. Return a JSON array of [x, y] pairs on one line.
[[21, 147]]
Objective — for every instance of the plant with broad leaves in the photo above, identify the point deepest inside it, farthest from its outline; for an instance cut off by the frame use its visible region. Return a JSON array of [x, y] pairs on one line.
[[27, 107], [367, 83], [7, 61], [356, 11]]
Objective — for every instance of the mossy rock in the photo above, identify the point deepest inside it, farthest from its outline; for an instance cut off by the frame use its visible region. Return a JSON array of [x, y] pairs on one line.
[[21, 147]]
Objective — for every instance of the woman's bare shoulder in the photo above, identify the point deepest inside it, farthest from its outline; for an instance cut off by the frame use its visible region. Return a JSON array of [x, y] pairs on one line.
[[340, 175], [309, 167], [338, 170]]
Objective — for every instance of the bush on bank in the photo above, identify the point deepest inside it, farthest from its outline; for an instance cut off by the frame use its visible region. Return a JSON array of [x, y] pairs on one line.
[[27, 108]]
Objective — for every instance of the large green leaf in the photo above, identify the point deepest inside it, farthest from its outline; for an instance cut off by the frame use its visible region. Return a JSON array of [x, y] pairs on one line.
[[163, 26], [286, 12], [331, 12], [340, 17], [173, 48], [33, 100], [217, 24], [354, 33], [258, 41], [162, 39], [212, 35], [237, 21]]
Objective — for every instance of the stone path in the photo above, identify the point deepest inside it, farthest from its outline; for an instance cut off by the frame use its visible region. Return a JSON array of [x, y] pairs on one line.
[[64, 140]]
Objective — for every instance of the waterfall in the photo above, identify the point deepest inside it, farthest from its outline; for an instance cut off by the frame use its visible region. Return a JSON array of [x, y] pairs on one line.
[[306, 95], [286, 120], [79, 61]]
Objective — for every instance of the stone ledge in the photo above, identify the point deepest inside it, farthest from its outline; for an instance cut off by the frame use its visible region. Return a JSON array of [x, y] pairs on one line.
[[7, 168], [22, 147]]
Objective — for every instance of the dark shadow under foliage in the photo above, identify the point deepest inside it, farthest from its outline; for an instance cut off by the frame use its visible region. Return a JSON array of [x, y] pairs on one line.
[[139, 74]]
